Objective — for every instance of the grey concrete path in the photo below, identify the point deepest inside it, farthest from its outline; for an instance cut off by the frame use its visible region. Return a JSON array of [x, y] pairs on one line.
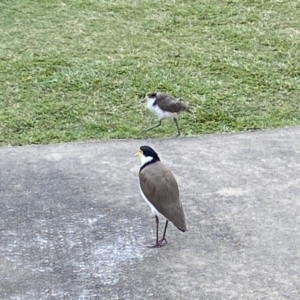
[[74, 226]]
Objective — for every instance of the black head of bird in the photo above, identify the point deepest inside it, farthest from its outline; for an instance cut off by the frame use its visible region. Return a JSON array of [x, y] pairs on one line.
[[159, 189], [165, 106]]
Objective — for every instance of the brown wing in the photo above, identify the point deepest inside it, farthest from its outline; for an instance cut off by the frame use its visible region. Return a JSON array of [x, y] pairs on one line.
[[167, 103], [160, 188]]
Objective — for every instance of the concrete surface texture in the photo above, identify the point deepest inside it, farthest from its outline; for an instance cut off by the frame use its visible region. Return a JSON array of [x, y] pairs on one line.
[[74, 226]]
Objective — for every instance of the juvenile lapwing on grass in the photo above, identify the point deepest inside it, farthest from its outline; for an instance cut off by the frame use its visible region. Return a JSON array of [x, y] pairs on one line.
[[165, 106], [159, 189]]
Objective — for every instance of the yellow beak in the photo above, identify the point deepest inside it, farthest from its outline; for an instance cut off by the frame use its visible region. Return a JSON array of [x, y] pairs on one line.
[[139, 153]]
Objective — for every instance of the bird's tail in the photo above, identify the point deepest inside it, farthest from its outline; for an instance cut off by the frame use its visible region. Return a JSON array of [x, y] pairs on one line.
[[189, 110], [184, 106]]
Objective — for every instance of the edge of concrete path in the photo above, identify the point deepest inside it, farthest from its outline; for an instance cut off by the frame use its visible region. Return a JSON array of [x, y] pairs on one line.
[[205, 135]]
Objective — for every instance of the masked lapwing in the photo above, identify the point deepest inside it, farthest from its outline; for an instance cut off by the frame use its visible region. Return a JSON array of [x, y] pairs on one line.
[[159, 189], [165, 106]]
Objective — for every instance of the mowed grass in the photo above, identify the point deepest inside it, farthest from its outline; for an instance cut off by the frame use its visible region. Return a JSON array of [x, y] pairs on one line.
[[76, 69]]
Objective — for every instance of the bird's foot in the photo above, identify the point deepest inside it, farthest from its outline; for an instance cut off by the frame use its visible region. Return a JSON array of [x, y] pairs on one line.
[[163, 241], [160, 243]]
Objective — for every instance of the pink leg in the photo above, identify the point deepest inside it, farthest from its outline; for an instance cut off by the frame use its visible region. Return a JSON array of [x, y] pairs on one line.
[[162, 241]]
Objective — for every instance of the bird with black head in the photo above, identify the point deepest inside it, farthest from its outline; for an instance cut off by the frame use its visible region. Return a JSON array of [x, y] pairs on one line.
[[165, 106], [159, 189]]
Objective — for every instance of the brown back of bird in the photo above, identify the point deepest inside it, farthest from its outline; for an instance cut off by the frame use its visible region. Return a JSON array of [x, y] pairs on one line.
[[160, 188], [168, 103]]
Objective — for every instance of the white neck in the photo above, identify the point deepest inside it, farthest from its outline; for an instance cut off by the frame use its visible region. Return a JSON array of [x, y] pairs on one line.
[[150, 102], [145, 159]]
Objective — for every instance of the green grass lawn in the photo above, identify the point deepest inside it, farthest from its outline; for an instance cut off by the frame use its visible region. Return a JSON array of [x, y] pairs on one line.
[[76, 69]]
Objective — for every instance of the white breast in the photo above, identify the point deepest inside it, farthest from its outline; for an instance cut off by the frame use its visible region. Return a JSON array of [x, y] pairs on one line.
[[157, 111]]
